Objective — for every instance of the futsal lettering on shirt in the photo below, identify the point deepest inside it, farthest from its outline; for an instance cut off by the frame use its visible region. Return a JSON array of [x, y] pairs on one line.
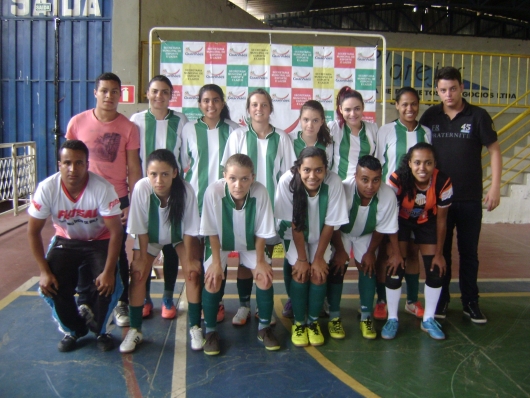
[[71, 217]]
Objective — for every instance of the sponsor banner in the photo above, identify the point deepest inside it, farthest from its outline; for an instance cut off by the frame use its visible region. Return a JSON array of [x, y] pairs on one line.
[[176, 97], [324, 57], [369, 98], [326, 97], [281, 55], [366, 58], [238, 53], [216, 53], [190, 96], [194, 52], [344, 77], [291, 74]]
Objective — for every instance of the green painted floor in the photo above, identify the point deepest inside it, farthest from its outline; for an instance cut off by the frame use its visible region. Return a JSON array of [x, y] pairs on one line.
[[491, 360]]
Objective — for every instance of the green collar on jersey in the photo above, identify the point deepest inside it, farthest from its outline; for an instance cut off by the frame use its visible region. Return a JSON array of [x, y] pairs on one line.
[[231, 200], [249, 124]]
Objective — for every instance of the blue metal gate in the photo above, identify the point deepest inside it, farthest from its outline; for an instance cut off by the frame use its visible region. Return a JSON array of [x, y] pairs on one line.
[[47, 76]]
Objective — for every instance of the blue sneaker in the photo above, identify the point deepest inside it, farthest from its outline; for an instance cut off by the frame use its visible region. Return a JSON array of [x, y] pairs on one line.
[[433, 328], [390, 329]]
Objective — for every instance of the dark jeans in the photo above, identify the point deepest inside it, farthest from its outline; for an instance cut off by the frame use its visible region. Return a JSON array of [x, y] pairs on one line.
[[71, 260], [466, 216], [83, 286]]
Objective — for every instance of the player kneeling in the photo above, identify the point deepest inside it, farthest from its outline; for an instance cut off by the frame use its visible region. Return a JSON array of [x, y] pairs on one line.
[[237, 216], [86, 215], [163, 211], [311, 204]]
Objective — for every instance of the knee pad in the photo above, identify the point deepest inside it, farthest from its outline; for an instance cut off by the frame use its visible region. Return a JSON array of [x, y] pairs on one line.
[[432, 278], [336, 279], [394, 281]]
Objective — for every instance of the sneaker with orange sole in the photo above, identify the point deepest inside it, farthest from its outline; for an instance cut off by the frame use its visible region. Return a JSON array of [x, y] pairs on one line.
[[415, 309], [380, 311], [169, 311], [148, 309]]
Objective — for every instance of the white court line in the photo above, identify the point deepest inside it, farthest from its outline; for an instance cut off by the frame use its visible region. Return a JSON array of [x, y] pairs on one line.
[[178, 382]]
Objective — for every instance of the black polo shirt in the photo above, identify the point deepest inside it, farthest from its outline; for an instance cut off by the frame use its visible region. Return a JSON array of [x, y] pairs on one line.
[[458, 145]]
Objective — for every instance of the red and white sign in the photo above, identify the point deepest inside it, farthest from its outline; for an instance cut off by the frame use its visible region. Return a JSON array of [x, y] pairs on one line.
[[128, 94]]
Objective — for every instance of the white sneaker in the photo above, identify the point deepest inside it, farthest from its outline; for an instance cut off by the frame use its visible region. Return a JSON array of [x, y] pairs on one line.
[[273, 318], [242, 316], [121, 314], [197, 341], [132, 338]]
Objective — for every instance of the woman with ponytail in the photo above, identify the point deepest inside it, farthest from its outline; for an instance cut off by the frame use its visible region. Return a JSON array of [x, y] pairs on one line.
[[163, 212], [352, 137], [203, 145], [424, 195], [310, 205], [160, 128], [315, 133]]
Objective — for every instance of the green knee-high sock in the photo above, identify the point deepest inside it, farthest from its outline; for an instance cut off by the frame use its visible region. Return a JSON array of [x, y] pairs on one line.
[[223, 285], [317, 294], [287, 276], [299, 296], [334, 297], [148, 288], [367, 292], [194, 314], [413, 286], [171, 267], [265, 302], [244, 289], [210, 303], [381, 292], [135, 316]]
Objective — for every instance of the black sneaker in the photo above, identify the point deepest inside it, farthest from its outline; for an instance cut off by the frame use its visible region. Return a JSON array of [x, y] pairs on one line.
[[211, 346], [105, 342], [68, 343], [441, 310], [472, 310]]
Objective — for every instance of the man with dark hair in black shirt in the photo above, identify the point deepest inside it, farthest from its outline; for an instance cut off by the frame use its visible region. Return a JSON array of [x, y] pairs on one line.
[[459, 131]]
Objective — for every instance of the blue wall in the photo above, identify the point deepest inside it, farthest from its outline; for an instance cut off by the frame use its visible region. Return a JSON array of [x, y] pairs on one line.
[[27, 91]]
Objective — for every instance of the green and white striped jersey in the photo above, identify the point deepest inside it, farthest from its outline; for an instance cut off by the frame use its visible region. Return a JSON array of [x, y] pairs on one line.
[[201, 153], [237, 229], [299, 144], [159, 134], [147, 217], [327, 207], [348, 148], [272, 156], [380, 215], [393, 142]]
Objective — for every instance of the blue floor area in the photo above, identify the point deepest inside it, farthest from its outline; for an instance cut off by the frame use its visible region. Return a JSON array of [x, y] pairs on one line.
[[31, 365], [245, 369]]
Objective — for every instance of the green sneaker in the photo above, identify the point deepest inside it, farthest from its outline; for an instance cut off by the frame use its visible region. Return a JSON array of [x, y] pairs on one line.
[[335, 329], [314, 334], [299, 335]]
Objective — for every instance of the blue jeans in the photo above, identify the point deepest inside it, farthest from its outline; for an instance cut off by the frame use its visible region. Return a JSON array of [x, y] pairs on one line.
[[466, 216]]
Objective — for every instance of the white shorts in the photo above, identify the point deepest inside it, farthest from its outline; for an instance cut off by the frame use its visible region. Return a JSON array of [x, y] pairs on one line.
[[358, 245], [291, 254], [246, 259], [153, 249], [274, 240]]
